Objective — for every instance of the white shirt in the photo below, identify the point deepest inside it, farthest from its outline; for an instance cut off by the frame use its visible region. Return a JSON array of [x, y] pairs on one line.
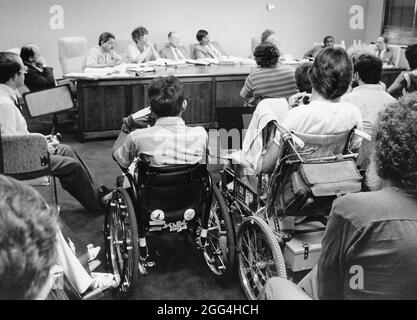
[[96, 56], [370, 99], [177, 53], [11, 119], [213, 51], [323, 118], [168, 142]]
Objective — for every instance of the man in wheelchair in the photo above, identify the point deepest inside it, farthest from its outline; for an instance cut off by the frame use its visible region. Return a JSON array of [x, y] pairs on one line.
[[369, 248], [168, 180]]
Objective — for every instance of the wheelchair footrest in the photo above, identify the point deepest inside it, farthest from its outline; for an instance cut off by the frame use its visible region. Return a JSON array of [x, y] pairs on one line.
[[145, 265]]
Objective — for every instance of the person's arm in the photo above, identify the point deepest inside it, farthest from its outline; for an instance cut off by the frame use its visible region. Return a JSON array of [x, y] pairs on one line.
[[40, 80], [126, 153], [247, 91], [155, 54], [398, 85], [116, 58], [135, 56]]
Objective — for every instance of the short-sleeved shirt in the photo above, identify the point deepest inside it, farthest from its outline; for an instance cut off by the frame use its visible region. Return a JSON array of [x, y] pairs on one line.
[[11, 119], [275, 82], [370, 99], [168, 142], [322, 117], [369, 249], [96, 56]]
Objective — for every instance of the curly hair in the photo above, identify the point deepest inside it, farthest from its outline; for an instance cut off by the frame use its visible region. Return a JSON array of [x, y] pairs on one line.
[[266, 55], [331, 73], [395, 144], [411, 55], [138, 33], [28, 230]]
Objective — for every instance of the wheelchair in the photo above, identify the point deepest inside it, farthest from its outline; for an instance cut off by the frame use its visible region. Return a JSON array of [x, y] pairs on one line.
[[311, 172], [175, 199]]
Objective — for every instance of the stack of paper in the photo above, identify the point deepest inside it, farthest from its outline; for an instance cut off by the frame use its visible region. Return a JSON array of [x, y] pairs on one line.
[[197, 62]]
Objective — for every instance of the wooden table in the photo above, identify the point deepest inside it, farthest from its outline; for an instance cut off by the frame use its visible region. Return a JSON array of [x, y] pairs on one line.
[[104, 102]]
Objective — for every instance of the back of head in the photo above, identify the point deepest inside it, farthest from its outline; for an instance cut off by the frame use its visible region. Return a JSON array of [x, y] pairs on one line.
[[138, 33], [27, 240], [201, 34], [104, 37], [9, 66], [166, 95], [411, 55], [331, 73], [266, 34], [395, 141], [302, 78], [266, 55], [369, 68], [28, 51]]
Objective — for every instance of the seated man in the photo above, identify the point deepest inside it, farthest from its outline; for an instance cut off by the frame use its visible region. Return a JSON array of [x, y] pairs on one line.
[[169, 141], [173, 49], [39, 76], [383, 52], [103, 55], [205, 48], [328, 41], [369, 249], [65, 164]]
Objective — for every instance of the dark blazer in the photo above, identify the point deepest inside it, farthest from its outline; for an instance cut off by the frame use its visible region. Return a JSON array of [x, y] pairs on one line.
[[36, 80], [167, 53]]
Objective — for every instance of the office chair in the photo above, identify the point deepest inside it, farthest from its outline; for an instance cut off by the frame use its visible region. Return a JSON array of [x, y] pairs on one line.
[[72, 53], [49, 101]]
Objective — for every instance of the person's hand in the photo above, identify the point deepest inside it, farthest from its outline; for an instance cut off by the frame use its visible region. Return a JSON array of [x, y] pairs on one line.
[[41, 61]]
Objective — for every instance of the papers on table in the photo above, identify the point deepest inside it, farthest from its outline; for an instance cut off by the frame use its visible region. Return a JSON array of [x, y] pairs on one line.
[[224, 60]]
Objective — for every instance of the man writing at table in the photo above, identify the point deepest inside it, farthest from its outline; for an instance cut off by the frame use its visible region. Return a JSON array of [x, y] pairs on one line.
[[173, 49]]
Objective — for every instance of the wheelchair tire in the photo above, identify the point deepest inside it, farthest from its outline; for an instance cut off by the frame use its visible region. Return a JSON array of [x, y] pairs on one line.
[[219, 253], [122, 242], [259, 256]]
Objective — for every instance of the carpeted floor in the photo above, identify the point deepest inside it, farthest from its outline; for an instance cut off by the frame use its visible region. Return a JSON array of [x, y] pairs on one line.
[[180, 272]]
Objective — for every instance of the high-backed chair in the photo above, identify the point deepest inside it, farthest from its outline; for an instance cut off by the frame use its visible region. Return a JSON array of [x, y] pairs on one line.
[[72, 52], [49, 101]]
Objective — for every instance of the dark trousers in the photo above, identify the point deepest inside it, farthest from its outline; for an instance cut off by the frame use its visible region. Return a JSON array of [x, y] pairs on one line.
[[75, 177]]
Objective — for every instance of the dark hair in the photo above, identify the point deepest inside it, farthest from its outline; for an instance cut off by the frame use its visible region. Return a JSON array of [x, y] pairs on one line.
[[395, 142], [170, 34], [327, 38], [9, 66], [411, 55], [166, 95], [266, 55], [104, 37], [28, 230], [201, 34], [138, 33], [331, 73], [302, 79], [27, 52], [266, 34], [369, 68]]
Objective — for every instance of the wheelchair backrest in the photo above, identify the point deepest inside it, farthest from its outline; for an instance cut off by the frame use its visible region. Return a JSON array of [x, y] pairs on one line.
[[173, 187], [324, 145]]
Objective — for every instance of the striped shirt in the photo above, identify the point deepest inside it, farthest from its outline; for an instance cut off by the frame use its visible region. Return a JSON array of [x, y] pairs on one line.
[[275, 82]]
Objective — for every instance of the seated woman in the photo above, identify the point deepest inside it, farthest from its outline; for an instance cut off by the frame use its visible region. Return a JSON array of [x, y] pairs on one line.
[[39, 76], [331, 75], [270, 79], [406, 80], [142, 50], [304, 86], [103, 55], [206, 49]]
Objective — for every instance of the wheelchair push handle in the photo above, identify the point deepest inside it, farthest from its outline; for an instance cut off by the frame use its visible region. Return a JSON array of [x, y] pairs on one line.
[[289, 136]]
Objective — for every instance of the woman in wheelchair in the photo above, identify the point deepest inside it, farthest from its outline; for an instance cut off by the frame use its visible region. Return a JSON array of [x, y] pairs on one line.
[[168, 188], [331, 75]]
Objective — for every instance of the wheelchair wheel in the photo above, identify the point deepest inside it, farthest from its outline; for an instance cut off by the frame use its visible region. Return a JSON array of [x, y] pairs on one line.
[[121, 240], [259, 256], [219, 253]]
